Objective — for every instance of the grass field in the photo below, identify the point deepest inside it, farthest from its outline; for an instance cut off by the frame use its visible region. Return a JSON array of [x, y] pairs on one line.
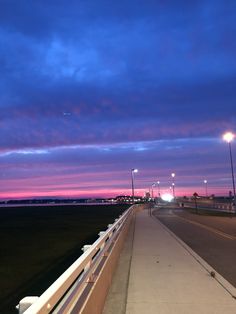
[[39, 243]]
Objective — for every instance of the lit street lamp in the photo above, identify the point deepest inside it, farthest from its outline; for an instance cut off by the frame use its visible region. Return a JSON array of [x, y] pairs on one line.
[[228, 137], [132, 180], [173, 184], [173, 189], [205, 181]]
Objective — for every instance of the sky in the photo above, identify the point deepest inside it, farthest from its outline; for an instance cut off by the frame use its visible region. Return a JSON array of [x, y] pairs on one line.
[[92, 89]]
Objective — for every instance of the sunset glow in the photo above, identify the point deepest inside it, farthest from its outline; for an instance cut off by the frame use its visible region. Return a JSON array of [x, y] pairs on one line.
[[83, 102]]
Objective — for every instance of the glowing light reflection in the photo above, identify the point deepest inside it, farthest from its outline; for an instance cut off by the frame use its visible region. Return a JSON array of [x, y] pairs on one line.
[[167, 197]]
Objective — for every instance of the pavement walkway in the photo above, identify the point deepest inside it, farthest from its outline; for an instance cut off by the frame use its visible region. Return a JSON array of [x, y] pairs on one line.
[[158, 273]]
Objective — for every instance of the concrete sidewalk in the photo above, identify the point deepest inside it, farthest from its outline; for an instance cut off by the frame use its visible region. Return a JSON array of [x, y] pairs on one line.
[[163, 275]]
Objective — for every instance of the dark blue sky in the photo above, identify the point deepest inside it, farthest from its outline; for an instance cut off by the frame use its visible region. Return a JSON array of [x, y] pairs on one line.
[[92, 89]]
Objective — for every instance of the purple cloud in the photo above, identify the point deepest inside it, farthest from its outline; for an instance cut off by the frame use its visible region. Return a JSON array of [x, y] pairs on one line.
[[108, 85]]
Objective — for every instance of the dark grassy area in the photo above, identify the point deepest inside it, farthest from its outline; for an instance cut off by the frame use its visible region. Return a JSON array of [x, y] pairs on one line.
[[38, 243]]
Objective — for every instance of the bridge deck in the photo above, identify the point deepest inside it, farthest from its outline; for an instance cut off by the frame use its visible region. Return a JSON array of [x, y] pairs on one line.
[[158, 273]]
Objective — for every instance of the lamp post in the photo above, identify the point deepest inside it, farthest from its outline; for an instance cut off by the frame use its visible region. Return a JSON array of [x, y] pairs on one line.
[[228, 137], [205, 181], [173, 190], [152, 190], [132, 180], [173, 184], [158, 184]]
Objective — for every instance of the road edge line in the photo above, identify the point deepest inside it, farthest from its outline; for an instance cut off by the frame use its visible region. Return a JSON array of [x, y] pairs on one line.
[[219, 278]]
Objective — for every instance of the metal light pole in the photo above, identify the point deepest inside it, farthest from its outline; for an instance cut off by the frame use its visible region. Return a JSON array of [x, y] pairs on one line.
[[152, 190], [173, 190], [132, 180], [158, 184], [205, 181], [228, 137], [173, 184]]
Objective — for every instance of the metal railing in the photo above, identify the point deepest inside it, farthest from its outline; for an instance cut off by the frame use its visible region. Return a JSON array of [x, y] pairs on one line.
[[223, 207], [72, 285]]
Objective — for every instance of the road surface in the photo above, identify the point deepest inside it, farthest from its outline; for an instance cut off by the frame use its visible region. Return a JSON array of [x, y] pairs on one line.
[[212, 237]]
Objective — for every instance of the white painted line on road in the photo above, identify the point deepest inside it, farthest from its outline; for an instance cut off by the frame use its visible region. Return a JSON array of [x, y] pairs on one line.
[[218, 232]]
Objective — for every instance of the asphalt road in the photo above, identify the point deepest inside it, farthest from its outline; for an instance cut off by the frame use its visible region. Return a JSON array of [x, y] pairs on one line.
[[211, 237]]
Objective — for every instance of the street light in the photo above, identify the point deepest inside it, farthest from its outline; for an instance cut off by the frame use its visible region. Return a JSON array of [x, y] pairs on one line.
[[158, 184], [205, 181], [152, 189], [173, 189], [132, 180], [228, 137], [173, 184]]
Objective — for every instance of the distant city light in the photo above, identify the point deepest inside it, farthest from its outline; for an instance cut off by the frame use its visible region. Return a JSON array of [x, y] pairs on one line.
[[167, 197]]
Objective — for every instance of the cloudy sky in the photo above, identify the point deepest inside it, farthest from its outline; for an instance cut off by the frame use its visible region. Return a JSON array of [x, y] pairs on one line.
[[91, 89]]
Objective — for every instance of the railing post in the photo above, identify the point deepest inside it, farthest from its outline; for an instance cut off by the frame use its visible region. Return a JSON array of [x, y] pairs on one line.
[[25, 303]]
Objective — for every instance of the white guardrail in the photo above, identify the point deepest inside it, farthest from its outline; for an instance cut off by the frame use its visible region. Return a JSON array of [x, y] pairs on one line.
[[69, 291]]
